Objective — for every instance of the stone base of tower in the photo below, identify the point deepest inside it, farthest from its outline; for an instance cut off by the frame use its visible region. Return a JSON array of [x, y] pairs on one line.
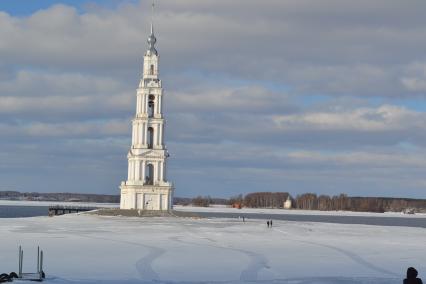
[[146, 197]]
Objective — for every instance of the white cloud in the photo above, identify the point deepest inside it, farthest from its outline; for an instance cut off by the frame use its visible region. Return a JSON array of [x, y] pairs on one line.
[[86, 129], [40, 83], [307, 46], [64, 104], [363, 159], [383, 118], [250, 98], [415, 78], [238, 85]]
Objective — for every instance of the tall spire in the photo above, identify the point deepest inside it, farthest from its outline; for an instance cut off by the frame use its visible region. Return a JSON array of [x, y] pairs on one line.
[[152, 39], [147, 187], [152, 14]]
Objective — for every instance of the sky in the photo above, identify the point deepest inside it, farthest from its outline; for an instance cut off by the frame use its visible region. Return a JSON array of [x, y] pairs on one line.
[[323, 96]]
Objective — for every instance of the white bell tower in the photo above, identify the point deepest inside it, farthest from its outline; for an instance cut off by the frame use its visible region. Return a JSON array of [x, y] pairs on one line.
[[146, 187]]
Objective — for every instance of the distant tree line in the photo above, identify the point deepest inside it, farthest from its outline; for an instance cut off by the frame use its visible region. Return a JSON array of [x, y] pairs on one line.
[[306, 201], [185, 201], [200, 201], [63, 197], [206, 201], [265, 199], [311, 201]]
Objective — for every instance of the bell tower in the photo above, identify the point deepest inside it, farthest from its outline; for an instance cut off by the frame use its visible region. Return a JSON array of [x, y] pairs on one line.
[[147, 187]]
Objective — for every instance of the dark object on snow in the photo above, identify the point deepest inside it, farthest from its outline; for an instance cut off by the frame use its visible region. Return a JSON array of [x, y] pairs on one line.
[[8, 277], [412, 277], [267, 223], [270, 222]]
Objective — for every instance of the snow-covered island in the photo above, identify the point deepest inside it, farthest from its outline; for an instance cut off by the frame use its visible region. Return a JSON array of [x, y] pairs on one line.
[[96, 249]]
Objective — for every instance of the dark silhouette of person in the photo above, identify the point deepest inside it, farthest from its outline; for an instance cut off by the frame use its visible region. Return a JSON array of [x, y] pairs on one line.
[[267, 223], [270, 223], [412, 277]]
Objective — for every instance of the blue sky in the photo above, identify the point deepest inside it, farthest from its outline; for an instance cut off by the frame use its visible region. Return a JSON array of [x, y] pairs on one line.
[[27, 7], [301, 96]]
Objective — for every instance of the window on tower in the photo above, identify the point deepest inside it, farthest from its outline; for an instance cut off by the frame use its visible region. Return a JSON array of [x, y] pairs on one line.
[[149, 178], [151, 105], [150, 137], [151, 70]]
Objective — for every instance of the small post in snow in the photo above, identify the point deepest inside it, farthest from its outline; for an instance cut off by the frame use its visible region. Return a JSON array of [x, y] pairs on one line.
[[19, 261], [38, 259], [21, 257], [41, 265]]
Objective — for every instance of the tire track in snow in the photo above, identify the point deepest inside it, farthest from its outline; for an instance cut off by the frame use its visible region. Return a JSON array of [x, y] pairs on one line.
[[355, 257], [257, 261], [143, 265]]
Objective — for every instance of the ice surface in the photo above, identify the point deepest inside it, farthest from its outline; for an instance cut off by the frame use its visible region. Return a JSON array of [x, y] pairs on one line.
[[294, 212], [97, 249]]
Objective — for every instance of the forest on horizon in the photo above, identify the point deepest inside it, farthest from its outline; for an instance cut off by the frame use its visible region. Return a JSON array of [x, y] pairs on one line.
[[306, 201]]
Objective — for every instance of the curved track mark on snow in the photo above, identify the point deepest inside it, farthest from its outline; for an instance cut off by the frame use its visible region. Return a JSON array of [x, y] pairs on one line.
[[256, 261], [356, 258], [143, 265]]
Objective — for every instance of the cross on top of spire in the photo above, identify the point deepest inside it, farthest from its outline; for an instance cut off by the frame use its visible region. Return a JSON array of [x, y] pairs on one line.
[[152, 39], [152, 13]]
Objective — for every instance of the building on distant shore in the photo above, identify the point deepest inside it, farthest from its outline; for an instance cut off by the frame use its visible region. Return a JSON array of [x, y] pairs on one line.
[[147, 187], [287, 204]]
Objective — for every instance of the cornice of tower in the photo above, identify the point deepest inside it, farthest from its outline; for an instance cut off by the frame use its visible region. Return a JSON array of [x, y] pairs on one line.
[[148, 86], [136, 153], [159, 119]]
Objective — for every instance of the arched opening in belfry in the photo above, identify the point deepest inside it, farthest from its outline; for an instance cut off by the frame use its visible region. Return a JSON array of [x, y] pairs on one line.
[[151, 105], [151, 69], [149, 171], [150, 137]]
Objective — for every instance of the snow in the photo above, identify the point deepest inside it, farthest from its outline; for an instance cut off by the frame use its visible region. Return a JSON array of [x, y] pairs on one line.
[[293, 212], [81, 248]]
